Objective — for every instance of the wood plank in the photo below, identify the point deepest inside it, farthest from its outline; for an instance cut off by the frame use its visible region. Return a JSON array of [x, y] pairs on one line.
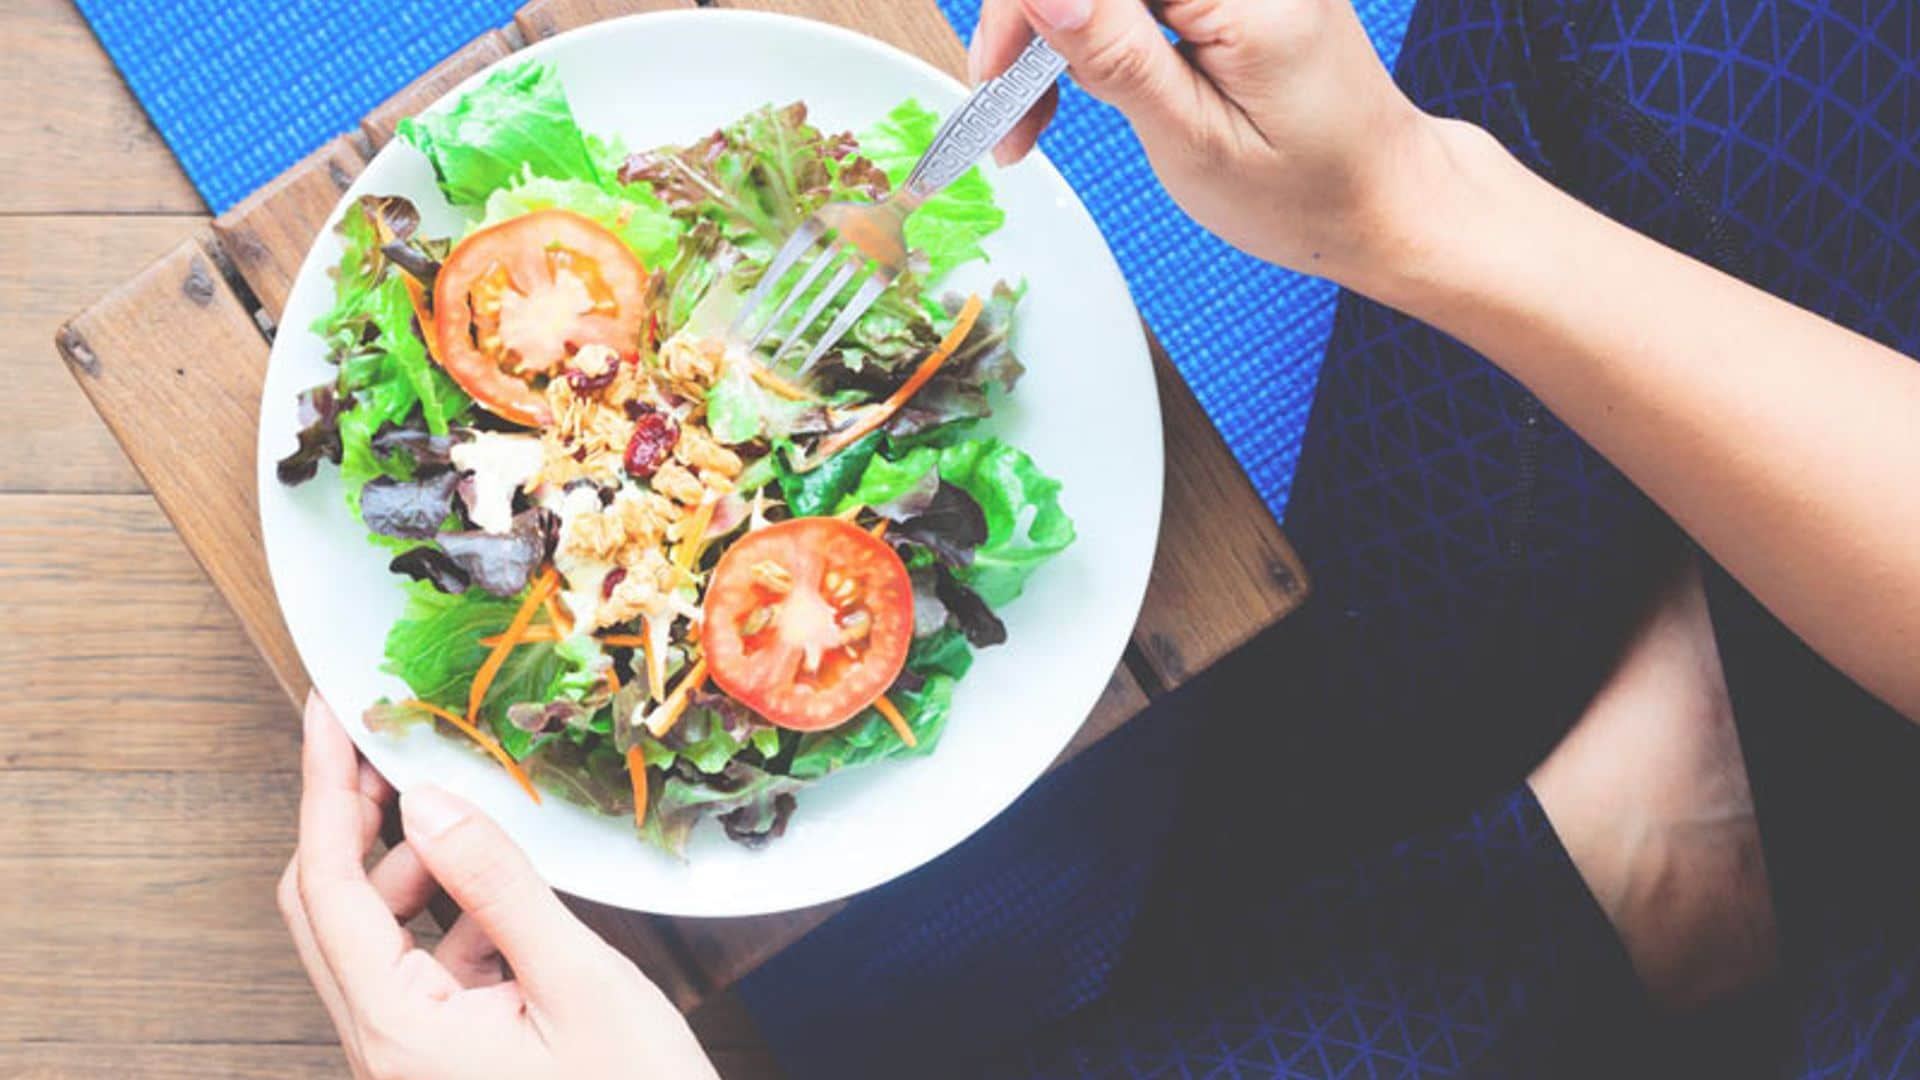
[[913, 25], [726, 950], [175, 343], [134, 661], [732, 1040], [1224, 571], [166, 928], [544, 18], [73, 138], [380, 124], [53, 266], [267, 235], [171, 1061]]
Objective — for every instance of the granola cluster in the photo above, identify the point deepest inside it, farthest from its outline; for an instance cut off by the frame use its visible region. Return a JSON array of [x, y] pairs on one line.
[[636, 431]]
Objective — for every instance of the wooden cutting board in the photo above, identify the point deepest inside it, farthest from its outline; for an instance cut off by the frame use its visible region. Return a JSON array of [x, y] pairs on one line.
[[174, 360]]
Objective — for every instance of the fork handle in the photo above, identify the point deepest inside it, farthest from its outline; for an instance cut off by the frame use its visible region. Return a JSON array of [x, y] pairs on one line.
[[981, 121]]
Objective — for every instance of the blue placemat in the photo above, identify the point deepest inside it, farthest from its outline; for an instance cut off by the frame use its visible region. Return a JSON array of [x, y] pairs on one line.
[[242, 91]]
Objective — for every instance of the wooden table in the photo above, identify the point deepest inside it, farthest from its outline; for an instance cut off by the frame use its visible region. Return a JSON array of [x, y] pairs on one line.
[[148, 754]]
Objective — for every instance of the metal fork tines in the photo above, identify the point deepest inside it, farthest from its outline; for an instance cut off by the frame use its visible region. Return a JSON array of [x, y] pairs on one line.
[[847, 263], [865, 242]]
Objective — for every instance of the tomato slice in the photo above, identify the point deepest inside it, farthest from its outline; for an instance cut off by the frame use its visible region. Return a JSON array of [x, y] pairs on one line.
[[807, 621], [514, 300]]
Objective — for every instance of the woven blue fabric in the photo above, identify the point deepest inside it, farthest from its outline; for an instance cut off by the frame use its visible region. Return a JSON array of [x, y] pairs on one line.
[[240, 93]]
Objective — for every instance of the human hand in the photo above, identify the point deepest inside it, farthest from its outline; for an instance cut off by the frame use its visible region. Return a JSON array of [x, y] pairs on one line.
[[1272, 123], [572, 1007]]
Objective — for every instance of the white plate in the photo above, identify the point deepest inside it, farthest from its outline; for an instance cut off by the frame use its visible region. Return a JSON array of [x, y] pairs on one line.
[[1087, 411]]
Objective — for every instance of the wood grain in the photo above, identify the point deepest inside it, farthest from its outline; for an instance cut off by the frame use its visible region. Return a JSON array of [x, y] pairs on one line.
[[134, 662], [171, 1061], [73, 138], [379, 125], [174, 364], [150, 898], [266, 236], [544, 18], [1223, 571], [53, 441]]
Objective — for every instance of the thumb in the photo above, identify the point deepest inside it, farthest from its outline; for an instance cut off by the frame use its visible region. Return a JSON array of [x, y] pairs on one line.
[[1116, 52], [492, 880]]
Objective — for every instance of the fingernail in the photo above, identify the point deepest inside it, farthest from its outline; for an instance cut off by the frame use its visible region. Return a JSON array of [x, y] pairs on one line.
[[427, 811], [1062, 14], [314, 713]]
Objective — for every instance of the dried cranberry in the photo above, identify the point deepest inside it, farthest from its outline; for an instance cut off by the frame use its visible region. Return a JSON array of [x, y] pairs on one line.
[[654, 435], [584, 383], [612, 581]]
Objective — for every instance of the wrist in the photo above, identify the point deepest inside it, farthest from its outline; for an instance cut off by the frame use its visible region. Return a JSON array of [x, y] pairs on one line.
[[1428, 213]]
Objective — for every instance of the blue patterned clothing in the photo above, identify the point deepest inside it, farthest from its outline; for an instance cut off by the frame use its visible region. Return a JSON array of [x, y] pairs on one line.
[[1184, 900]]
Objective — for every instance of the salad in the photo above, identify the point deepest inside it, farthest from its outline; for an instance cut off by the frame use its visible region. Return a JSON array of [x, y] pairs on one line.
[[648, 569]]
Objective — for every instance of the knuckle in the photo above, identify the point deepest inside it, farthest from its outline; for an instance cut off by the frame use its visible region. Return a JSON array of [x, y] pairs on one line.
[[484, 870], [1119, 61]]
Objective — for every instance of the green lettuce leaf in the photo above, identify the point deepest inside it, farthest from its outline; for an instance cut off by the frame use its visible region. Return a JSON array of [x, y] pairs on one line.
[[435, 649], [819, 490], [950, 226], [1026, 525], [868, 737], [515, 124], [740, 410], [885, 479], [943, 652], [758, 176], [633, 214], [751, 803], [384, 370]]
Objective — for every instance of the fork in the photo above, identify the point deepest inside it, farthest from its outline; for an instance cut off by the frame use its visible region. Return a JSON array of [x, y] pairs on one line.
[[867, 241]]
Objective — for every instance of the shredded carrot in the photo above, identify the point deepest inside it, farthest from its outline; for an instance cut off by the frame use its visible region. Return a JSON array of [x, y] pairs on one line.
[[879, 529], [613, 680], [536, 594], [630, 641], [534, 634], [662, 722], [777, 384], [656, 663], [694, 537], [850, 512], [876, 415], [417, 293], [886, 708], [562, 625], [487, 742], [637, 768]]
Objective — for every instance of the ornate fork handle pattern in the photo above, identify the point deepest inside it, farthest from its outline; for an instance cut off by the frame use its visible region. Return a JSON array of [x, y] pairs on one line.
[[986, 117]]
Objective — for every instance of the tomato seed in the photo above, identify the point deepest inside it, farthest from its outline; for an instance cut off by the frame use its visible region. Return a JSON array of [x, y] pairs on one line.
[[855, 627], [772, 577], [758, 619]]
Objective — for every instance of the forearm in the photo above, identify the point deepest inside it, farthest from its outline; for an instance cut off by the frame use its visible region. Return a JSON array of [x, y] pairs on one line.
[[1786, 445]]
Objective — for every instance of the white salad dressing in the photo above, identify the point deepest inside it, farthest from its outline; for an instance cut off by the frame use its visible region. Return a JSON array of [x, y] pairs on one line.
[[500, 465]]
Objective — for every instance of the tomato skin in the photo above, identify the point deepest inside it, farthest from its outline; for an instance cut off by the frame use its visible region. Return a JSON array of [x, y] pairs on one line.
[[765, 670], [519, 245]]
